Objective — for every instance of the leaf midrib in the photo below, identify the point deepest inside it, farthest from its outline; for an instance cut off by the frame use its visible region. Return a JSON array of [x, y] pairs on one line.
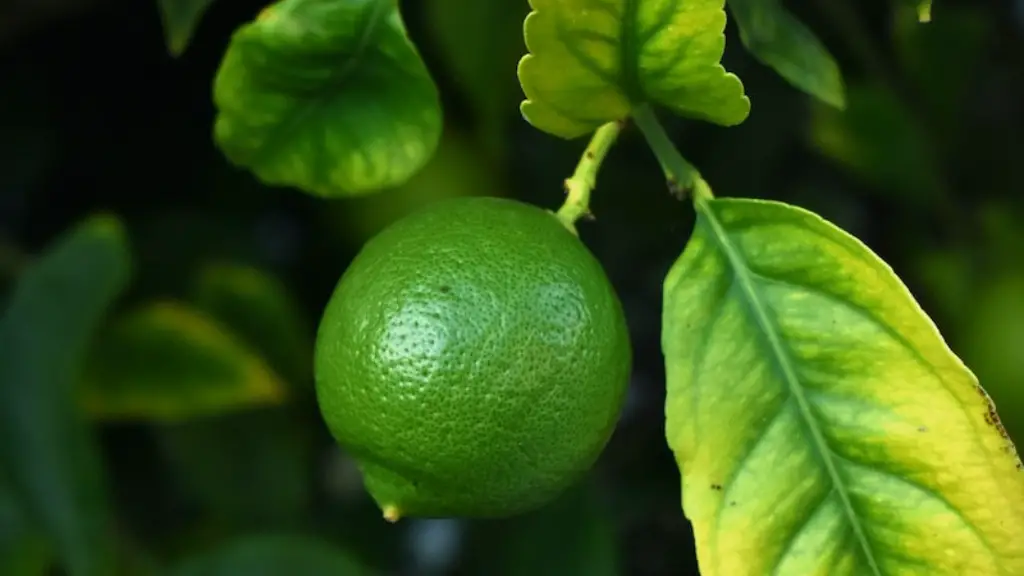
[[744, 280]]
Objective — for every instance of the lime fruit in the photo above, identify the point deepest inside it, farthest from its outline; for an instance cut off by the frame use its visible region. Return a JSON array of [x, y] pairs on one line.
[[473, 360]]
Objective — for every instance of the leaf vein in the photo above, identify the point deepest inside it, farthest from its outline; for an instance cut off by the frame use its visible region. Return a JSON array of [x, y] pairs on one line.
[[319, 101], [587, 62], [769, 331], [927, 490], [794, 535]]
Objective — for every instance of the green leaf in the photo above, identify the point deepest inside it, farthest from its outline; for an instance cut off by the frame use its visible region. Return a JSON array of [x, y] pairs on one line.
[[878, 140], [329, 96], [480, 56], [273, 555], [593, 61], [268, 444], [259, 310], [47, 449], [574, 534], [820, 422], [23, 550], [180, 19], [779, 40], [168, 362], [922, 8]]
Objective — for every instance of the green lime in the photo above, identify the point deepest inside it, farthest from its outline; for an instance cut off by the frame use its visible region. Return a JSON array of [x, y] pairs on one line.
[[473, 359]]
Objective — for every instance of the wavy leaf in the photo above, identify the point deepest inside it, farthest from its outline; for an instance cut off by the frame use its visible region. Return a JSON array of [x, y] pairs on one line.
[[821, 424], [328, 96], [593, 61]]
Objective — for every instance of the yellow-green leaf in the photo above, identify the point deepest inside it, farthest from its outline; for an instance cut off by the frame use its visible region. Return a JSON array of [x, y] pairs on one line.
[[593, 61], [923, 9], [820, 422], [180, 19], [260, 311], [166, 362], [778, 39], [328, 96]]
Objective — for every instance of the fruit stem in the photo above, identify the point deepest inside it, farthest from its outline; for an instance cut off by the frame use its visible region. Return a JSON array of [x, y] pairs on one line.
[[682, 177], [583, 180]]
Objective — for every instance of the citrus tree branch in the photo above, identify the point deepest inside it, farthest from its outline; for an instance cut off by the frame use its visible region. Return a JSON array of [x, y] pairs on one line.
[[579, 186]]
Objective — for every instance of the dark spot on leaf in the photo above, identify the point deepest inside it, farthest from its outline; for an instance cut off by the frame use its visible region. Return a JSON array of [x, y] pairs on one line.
[[590, 154], [992, 419], [716, 487], [445, 289]]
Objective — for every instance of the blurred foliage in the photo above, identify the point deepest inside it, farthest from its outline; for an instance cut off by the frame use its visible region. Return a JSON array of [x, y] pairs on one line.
[[167, 362], [48, 450], [218, 460]]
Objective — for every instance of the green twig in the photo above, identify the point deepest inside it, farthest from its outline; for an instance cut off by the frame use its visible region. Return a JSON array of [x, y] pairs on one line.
[[682, 176], [583, 180]]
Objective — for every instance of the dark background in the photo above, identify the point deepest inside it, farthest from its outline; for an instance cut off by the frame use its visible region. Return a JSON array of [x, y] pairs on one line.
[[925, 167]]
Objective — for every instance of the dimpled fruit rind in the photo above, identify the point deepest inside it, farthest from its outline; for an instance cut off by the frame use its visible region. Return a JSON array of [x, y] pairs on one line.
[[473, 360]]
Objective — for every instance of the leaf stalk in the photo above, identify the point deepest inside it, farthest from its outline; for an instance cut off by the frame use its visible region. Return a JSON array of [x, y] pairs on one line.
[[682, 177]]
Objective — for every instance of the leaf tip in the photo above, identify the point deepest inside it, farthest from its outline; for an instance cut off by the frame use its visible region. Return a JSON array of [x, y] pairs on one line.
[[836, 98], [109, 225], [391, 513], [924, 12]]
